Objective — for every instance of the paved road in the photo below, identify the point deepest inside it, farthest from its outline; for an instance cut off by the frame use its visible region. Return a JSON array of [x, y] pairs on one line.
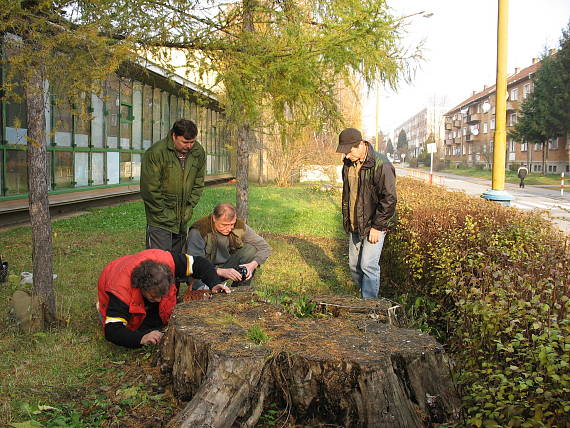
[[529, 198]]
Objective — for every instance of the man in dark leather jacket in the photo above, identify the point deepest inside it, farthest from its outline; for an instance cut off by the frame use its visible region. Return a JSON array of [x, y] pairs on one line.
[[368, 207]]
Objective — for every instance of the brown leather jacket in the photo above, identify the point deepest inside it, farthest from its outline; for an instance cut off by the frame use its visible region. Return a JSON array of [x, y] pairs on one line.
[[376, 200]]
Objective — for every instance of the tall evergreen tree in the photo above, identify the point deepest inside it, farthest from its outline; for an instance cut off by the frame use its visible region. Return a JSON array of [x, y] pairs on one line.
[[545, 113], [402, 144], [389, 147]]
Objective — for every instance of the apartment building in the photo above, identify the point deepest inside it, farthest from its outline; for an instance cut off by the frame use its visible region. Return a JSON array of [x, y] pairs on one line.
[[470, 127], [418, 129]]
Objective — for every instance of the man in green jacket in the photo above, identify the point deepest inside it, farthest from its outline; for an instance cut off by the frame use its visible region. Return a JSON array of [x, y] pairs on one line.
[[172, 180]]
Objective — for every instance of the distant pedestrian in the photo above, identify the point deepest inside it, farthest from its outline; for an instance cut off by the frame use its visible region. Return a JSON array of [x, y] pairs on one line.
[[368, 206], [522, 173]]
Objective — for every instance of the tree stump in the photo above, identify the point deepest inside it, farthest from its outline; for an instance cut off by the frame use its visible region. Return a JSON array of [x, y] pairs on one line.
[[346, 366]]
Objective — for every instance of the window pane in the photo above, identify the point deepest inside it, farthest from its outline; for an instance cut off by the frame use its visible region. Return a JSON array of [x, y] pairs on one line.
[[97, 121], [62, 122], [180, 109], [186, 109], [112, 167], [173, 109], [200, 122], [126, 127], [63, 172], [125, 167], [156, 115], [81, 123], [81, 169], [97, 168], [112, 105], [194, 112], [189, 114], [126, 111], [209, 163], [208, 130], [214, 131], [16, 119], [16, 172], [165, 117], [137, 113], [147, 116], [136, 165]]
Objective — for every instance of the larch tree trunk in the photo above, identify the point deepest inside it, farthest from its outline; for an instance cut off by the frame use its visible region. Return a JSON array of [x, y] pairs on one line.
[[345, 366], [244, 132], [242, 172], [42, 257]]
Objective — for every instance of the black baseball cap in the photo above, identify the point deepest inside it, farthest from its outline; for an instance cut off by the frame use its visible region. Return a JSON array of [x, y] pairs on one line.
[[347, 139]]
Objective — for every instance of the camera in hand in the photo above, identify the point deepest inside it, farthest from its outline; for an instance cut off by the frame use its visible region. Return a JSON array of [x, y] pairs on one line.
[[243, 272]]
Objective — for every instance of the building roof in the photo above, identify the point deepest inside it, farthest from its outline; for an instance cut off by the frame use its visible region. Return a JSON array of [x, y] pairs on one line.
[[522, 74]]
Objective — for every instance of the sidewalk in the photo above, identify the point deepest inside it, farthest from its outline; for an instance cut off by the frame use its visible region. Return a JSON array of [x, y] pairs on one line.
[[544, 190]]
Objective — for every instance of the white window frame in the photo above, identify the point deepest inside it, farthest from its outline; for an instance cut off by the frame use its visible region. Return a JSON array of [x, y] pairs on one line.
[[527, 89], [553, 143]]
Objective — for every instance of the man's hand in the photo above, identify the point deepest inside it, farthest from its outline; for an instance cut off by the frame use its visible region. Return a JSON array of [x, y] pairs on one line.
[[152, 338], [221, 288], [251, 266], [229, 273], [374, 235]]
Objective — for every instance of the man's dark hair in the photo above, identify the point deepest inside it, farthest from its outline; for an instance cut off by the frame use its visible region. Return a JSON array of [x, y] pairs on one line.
[[226, 210], [185, 128], [150, 274]]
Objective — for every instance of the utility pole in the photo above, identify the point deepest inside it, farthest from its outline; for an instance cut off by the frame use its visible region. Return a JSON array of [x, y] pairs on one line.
[[498, 192]]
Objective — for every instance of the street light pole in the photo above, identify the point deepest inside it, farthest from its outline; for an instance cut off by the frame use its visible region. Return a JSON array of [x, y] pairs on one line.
[[498, 192]]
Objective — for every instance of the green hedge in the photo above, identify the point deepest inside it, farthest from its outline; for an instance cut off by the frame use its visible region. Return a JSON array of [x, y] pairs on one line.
[[493, 283]]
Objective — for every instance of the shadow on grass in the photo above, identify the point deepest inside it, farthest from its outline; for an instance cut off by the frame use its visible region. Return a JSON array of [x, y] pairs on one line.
[[326, 266]]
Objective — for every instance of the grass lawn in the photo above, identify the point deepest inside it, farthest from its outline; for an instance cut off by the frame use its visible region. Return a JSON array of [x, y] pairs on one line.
[[71, 376], [510, 176]]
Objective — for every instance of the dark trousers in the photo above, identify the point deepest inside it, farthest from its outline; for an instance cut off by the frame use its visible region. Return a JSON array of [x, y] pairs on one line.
[[164, 240], [242, 256], [521, 184]]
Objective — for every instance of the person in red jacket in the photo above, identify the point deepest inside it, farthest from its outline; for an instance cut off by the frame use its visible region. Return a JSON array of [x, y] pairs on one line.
[[137, 293]]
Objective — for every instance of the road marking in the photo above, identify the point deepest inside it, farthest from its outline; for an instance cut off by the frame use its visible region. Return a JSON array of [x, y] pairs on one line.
[[540, 205]]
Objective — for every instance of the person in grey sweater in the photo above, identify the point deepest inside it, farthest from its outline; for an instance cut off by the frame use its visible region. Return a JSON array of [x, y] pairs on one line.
[[230, 244]]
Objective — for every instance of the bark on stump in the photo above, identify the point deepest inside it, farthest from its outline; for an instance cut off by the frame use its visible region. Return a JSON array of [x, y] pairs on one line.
[[347, 367]]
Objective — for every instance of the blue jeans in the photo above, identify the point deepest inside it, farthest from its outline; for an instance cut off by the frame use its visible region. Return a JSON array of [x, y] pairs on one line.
[[364, 262]]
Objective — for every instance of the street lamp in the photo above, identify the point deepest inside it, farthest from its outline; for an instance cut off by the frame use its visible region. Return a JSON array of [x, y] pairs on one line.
[[498, 192]]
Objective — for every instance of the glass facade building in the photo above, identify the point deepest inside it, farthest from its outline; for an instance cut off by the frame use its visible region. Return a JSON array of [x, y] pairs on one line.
[[99, 144]]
